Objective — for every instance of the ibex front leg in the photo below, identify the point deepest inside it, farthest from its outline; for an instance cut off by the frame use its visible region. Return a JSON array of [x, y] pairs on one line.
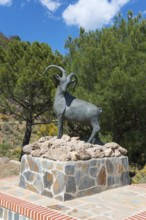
[[60, 127]]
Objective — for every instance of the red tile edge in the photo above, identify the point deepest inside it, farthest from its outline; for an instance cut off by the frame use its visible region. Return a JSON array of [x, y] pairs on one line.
[[141, 185], [139, 216], [30, 210]]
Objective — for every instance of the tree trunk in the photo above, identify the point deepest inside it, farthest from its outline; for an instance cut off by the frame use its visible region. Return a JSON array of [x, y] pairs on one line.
[[27, 136]]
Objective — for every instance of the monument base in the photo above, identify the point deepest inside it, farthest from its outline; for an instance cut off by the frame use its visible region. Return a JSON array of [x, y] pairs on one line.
[[73, 179]]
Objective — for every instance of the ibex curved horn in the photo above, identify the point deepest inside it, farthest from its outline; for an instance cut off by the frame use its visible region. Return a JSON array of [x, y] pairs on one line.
[[59, 67], [74, 82]]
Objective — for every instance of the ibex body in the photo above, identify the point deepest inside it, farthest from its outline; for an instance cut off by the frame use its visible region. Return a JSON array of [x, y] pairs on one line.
[[73, 109]]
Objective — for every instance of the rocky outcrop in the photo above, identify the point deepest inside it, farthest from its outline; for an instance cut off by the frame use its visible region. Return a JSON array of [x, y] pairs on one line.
[[71, 148]]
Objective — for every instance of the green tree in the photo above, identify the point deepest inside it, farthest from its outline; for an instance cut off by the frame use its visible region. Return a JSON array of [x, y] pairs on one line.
[[110, 65], [25, 91]]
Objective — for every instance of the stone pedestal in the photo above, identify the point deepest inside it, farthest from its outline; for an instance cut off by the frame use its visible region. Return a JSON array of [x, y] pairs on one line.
[[73, 179]]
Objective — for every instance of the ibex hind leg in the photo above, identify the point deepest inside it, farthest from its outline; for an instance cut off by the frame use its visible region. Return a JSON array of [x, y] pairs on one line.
[[60, 128], [95, 129]]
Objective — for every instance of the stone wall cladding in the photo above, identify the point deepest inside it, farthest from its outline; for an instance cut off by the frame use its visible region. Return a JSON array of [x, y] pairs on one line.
[[72, 179]]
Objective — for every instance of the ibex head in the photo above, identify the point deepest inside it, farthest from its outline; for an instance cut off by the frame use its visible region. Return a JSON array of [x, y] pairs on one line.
[[64, 80]]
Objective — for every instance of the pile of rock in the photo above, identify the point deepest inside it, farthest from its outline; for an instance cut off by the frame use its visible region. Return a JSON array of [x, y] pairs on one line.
[[71, 148]]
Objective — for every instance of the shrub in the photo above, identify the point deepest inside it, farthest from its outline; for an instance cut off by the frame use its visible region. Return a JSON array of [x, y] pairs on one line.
[[6, 128], [4, 149], [16, 153], [3, 117], [140, 176], [47, 130]]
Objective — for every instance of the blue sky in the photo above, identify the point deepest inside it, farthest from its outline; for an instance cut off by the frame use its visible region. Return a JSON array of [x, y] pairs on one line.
[[52, 21]]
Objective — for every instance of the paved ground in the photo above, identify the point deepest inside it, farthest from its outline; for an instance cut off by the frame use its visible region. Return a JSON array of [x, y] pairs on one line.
[[116, 204]]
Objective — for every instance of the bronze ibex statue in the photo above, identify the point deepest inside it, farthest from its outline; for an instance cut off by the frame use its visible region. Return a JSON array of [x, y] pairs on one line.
[[68, 107]]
